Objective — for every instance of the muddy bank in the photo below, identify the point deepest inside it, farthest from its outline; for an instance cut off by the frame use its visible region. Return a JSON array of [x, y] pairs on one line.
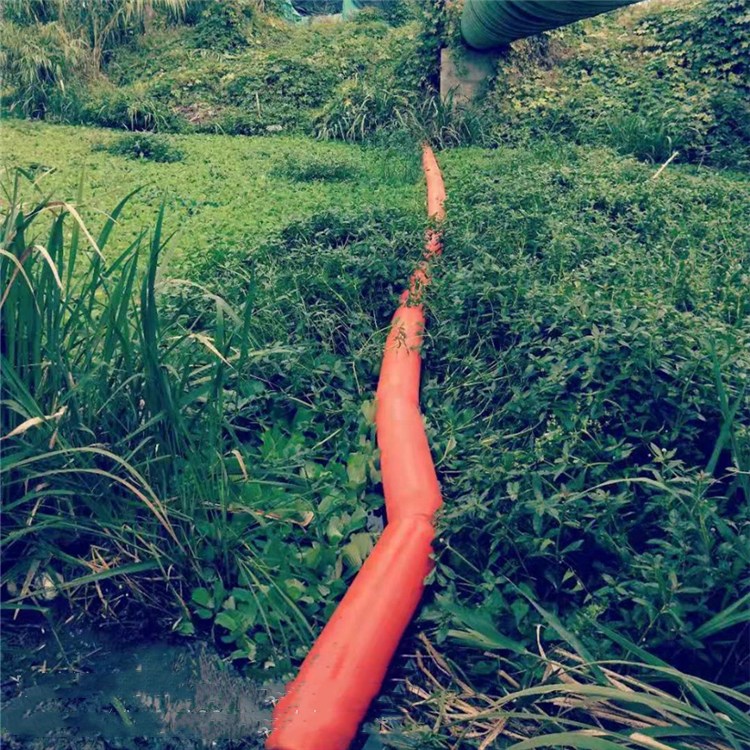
[[106, 688]]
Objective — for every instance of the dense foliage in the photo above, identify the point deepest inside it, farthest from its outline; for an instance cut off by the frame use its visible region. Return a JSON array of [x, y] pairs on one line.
[[675, 83], [227, 417], [224, 26], [596, 357], [658, 89], [208, 66], [187, 423]]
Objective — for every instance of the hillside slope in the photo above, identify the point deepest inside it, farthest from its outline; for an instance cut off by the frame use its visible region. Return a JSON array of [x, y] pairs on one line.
[[657, 78]]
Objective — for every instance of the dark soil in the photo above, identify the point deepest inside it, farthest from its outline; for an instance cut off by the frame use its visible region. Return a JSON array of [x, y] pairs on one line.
[[109, 689]]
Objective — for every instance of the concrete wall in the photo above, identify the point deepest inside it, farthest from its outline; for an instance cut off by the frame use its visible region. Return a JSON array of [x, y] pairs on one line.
[[464, 74]]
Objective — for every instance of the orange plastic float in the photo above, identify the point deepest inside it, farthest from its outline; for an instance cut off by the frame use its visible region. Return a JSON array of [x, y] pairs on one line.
[[324, 706]]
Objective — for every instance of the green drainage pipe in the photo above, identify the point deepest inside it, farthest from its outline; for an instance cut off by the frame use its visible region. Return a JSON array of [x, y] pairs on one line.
[[493, 23]]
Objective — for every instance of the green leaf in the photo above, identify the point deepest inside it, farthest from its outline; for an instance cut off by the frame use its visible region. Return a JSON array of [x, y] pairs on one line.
[[480, 631], [202, 597], [228, 619]]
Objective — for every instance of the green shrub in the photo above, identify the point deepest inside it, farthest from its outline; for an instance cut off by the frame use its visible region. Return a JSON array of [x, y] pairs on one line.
[[145, 146], [395, 12], [711, 37], [304, 168], [729, 139], [130, 107], [224, 24], [278, 93]]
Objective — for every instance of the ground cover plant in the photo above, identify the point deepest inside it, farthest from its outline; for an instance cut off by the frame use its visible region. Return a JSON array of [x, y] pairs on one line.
[[188, 375], [222, 197], [557, 367], [595, 356], [586, 400]]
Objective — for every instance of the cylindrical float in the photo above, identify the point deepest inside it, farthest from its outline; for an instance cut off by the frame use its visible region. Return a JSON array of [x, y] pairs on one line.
[[324, 706]]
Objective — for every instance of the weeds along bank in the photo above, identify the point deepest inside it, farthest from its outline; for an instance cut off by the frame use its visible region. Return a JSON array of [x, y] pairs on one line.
[[205, 444], [654, 79], [660, 78], [587, 399], [218, 67]]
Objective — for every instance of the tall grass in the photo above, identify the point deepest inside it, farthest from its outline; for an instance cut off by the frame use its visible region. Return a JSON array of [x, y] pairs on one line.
[[568, 700], [116, 442], [41, 63], [211, 461]]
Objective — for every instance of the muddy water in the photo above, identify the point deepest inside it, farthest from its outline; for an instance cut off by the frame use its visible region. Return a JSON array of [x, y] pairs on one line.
[[72, 689]]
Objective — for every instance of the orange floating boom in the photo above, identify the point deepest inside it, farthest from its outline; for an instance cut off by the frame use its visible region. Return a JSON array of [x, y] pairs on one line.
[[344, 671]]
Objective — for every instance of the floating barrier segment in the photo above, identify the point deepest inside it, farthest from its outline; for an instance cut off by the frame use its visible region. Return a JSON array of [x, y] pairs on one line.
[[486, 24], [344, 670]]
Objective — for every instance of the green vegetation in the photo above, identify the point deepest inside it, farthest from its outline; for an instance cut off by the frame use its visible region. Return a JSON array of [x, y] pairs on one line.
[[145, 146], [188, 372], [218, 428], [596, 357], [229, 69], [223, 197], [674, 79]]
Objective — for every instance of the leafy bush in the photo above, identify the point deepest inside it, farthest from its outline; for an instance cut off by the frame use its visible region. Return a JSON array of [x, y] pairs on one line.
[[145, 146], [711, 37], [304, 168], [133, 108], [401, 95], [279, 93], [223, 24]]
